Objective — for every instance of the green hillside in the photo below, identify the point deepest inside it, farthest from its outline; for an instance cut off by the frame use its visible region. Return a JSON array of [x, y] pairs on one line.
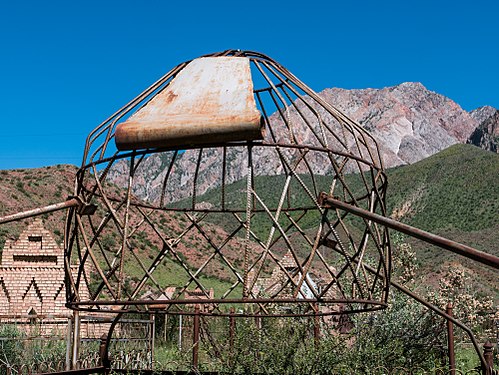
[[454, 193], [456, 189]]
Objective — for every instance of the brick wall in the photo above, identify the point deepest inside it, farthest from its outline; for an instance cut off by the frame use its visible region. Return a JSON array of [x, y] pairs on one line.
[[32, 274]]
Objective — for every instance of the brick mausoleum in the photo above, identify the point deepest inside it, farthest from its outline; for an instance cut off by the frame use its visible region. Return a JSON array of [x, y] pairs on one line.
[[32, 274]]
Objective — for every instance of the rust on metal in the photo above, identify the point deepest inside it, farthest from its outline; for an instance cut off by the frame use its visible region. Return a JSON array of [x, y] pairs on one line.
[[210, 101], [74, 202], [488, 353], [213, 108], [445, 243], [195, 339]]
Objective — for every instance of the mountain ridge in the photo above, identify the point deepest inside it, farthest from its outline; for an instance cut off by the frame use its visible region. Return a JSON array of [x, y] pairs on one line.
[[409, 122]]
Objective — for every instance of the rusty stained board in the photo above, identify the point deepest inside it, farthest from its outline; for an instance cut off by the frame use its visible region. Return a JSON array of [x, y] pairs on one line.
[[211, 100]]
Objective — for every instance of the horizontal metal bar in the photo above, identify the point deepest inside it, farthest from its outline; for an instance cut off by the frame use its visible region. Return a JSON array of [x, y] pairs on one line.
[[201, 301], [365, 305], [444, 243], [92, 370], [40, 211]]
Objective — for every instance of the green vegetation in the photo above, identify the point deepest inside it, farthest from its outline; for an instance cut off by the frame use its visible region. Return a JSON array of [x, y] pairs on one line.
[[17, 347], [456, 189], [405, 338], [454, 193], [171, 273]]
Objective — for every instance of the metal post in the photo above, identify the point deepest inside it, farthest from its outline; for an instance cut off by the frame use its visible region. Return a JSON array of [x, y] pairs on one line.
[[152, 328], [103, 354], [180, 333], [68, 345], [444, 243], [195, 339], [488, 353], [317, 331], [165, 323], [258, 322], [40, 211], [450, 341], [232, 330], [76, 340]]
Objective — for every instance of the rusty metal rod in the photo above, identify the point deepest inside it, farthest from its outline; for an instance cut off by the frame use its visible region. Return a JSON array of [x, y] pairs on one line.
[[435, 309], [40, 211], [488, 354], [444, 243], [193, 301], [195, 339], [450, 341]]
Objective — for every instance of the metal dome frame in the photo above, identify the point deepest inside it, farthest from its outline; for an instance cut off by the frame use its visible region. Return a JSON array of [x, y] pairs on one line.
[[286, 104]]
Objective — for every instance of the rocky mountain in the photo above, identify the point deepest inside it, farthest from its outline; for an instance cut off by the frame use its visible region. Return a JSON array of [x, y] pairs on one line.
[[486, 135], [409, 122]]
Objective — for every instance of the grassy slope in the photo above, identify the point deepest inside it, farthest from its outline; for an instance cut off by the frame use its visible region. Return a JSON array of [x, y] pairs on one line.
[[26, 189], [454, 193], [454, 190]]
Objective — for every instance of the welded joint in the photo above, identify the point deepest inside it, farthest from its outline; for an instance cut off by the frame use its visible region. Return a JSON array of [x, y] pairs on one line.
[[322, 199], [83, 208]]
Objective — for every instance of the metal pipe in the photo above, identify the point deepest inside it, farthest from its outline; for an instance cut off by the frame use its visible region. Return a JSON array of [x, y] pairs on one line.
[[450, 342], [180, 333], [232, 330], [444, 243], [436, 310], [40, 211], [488, 353], [76, 340], [317, 329], [195, 339], [68, 344]]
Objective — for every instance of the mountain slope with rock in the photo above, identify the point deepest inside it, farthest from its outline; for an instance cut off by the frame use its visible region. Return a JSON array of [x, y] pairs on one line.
[[486, 135], [408, 121]]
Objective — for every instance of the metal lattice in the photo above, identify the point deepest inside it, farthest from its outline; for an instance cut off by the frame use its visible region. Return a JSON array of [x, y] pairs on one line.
[[238, 220]]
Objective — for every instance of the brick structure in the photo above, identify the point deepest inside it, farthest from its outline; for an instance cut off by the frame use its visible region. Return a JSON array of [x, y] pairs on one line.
[[277, 281], [268, 286], [32, 274]]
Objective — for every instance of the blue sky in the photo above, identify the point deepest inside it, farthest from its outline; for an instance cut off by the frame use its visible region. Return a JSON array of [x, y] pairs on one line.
[[65, 66]]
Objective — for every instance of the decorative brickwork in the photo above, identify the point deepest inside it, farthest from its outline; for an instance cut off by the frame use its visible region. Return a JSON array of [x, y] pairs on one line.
[[32, 274]]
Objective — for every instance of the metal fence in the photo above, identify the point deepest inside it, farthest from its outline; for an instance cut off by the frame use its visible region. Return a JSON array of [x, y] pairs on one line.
[[39, 344], [173, 344]]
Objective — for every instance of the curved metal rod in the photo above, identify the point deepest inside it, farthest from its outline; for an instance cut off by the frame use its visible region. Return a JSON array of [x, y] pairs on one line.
[[104, 349], [458, 248]]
